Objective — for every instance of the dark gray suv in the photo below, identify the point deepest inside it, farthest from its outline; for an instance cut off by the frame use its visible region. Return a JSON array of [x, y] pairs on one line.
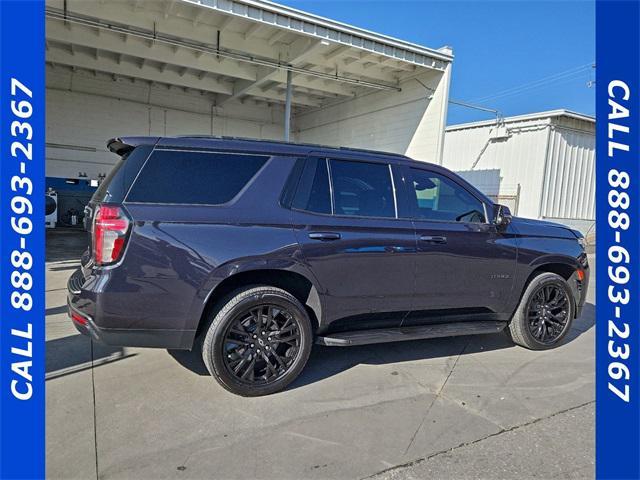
[[258, 249]]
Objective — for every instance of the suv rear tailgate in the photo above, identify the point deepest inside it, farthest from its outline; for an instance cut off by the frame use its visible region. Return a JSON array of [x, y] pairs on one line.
[[115, 186]]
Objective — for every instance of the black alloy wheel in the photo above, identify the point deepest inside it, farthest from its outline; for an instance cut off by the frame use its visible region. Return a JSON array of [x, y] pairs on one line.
[[258, 340], [548, 313], [261, 344]]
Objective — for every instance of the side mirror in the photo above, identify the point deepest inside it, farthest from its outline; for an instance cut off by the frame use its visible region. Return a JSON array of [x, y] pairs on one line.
[[502, 216]]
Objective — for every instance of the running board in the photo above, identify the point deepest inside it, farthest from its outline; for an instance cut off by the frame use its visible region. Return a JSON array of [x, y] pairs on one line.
[[383, 335]]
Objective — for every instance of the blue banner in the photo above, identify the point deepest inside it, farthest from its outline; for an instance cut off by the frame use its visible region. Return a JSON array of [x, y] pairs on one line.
[[22, 103], [618, 240]]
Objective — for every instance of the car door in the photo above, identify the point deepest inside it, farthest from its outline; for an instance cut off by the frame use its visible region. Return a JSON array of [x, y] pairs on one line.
[[345, 220], [464, 265]]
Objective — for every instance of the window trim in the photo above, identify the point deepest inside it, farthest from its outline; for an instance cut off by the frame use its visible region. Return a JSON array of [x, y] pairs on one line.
[[229, 202], [454, 181], [393, 190], [327, 165]]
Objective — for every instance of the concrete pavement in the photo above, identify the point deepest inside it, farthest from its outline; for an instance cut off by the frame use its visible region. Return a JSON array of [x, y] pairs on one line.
[[533, 450], [353, 413]]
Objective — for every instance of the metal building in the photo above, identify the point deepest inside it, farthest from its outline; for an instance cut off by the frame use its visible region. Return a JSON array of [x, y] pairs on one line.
[[246, 68], [541, 165]]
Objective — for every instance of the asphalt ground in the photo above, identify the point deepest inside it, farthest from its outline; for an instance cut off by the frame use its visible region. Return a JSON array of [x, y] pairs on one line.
[[464, 407]]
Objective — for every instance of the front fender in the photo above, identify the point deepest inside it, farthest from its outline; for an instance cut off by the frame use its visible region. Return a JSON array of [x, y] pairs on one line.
[[554, 258], [552, 261]]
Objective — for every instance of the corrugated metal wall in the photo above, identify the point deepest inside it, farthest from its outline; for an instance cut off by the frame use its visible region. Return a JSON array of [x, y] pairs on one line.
[[569, 179], [519, 159], [551, 158]]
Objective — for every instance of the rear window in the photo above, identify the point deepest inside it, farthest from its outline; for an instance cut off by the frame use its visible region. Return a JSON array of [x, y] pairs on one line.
[[117, 182], [204, 178]]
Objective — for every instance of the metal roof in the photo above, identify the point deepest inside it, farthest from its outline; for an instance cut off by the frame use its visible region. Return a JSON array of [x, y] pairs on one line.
[[526, 117], [232, 49], [282, 16]]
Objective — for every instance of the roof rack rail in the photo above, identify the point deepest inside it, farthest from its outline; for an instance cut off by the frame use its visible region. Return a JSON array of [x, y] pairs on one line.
[[295, 144], [381, 152]]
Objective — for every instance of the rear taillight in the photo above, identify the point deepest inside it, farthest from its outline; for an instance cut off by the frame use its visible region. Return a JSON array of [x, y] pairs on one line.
[[110, 227], [76, 317]]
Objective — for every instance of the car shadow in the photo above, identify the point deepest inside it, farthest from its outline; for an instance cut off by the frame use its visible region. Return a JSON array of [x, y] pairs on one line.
[[62, 268], [56, 310], [190, 359], [325, 362], [73, 354]]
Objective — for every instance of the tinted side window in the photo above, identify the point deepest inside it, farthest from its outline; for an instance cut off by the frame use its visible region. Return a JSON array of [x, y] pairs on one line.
[[194, 177], [362, 189], [313, 189], [290, 186], [439, 198]]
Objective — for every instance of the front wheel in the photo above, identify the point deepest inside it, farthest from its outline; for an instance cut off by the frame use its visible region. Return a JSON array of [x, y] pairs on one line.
[[258, 342], [545, 313]]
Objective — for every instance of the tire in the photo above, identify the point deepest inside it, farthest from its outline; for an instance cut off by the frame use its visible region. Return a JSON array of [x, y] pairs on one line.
[[525, 327], [284, 344]]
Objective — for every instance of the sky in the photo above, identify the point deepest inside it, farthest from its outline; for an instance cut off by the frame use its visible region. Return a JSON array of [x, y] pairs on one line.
[[514, 56]]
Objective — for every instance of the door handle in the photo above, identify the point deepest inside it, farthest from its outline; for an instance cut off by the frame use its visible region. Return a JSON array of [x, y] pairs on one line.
[[324, 236], [433, 238]]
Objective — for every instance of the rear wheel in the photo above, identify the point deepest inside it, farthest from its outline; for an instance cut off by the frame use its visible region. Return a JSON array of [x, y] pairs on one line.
[[258, 342], [545, 313]]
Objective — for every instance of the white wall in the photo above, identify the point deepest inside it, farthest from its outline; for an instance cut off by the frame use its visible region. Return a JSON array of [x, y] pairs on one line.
[[520, 159], [410, 122], [84, 111], [553, 160]]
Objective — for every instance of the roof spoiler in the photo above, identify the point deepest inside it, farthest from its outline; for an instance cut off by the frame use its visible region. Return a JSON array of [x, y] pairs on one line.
[[122, 145]]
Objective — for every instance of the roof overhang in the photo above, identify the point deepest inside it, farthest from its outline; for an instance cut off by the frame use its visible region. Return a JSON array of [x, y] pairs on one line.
[[232, 49], [281, 16], [525, 118]]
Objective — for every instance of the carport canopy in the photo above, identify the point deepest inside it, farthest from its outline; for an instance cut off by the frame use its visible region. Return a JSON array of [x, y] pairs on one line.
[[233, 49]]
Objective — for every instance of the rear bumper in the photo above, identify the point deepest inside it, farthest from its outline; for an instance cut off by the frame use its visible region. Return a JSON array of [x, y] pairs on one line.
[[82, 308]]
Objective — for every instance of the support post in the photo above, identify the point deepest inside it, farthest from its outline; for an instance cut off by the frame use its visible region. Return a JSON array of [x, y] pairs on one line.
[[287, 109]]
